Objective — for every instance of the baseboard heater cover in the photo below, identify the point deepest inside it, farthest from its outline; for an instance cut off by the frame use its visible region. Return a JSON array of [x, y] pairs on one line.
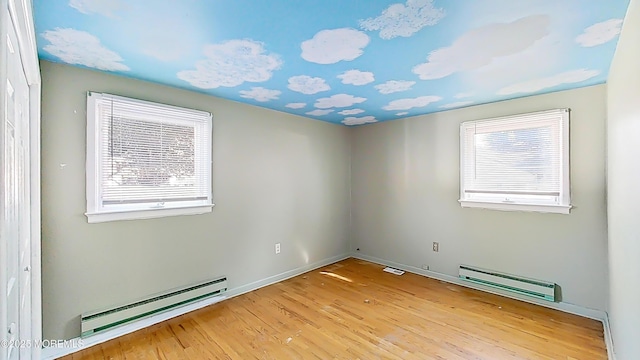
[[525, 286], [96, 321]]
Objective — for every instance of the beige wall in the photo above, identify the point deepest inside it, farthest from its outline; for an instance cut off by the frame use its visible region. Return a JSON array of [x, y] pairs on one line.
[[623, 144], [276, 178], [405, 187]]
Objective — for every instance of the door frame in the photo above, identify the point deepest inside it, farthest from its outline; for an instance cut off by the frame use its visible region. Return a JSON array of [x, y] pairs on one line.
[[21, 11]]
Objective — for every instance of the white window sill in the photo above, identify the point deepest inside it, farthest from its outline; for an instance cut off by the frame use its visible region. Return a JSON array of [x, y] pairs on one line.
[[146, 214], [556, 209]]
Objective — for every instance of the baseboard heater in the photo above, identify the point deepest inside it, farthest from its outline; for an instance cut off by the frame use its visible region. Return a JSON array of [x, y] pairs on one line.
[[96, 321], [531, 287]]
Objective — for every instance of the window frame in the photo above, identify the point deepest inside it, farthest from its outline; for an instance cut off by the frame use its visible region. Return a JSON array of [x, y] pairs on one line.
[[521, 203], [97, 212]]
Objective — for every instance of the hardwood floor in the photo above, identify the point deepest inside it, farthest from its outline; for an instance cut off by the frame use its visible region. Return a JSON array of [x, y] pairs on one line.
[[354, 310]]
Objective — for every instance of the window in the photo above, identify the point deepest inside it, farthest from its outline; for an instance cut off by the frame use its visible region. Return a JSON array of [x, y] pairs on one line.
[[516, 163], [146, 160]]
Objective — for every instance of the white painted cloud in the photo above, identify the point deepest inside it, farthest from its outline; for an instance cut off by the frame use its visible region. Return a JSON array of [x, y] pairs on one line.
[[332, 46], [478, 47], [406, 104], [404, 20], [402, 113], [307, 84], [569, 77], [350, 121], [351, 112], [544, 57], [356, 77], [338, 101], [232, 63], [296, 105], [456, 104], [463, 95], [260, 94], [600, 33], [319, 112], [393, 86], [103, 7], [81, 48]]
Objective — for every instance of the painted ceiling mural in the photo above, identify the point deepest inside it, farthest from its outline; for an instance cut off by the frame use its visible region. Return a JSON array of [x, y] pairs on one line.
[[341, 61]]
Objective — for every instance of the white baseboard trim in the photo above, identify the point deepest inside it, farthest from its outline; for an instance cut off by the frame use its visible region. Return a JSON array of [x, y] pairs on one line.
[[79, 343], [50, 353], [562, 306], [608, 338], [284, 276]]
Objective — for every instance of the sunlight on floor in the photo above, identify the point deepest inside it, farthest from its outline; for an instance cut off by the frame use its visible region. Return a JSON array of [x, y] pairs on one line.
[[336, 276]]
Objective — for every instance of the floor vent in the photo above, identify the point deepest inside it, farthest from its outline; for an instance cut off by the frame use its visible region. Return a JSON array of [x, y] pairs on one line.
[[393, 271], [535, 288], [97, 321]]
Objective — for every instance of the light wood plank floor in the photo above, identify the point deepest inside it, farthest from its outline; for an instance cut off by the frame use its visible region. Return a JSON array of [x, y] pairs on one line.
[[354, 310]]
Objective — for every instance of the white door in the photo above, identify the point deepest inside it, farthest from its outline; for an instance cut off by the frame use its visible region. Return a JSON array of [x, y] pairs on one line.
[[16, 217]]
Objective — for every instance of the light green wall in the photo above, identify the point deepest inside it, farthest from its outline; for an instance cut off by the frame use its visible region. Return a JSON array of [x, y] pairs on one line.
[[623, 145], [282, 178], [405, 187], [276, 178]]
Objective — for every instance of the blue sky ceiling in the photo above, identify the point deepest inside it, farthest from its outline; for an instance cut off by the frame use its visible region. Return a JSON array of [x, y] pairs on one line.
[[341, 61]]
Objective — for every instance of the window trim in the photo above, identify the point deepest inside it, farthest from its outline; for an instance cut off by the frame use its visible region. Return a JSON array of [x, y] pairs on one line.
[[564, 205], [95, 212]]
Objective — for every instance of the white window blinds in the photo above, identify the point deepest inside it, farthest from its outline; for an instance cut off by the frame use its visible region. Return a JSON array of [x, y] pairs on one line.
[[521, 159], [148, 156]]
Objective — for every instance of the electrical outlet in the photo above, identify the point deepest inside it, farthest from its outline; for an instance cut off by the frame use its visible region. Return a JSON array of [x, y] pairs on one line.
[[277, 248], [425, 267], [436, 246]]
